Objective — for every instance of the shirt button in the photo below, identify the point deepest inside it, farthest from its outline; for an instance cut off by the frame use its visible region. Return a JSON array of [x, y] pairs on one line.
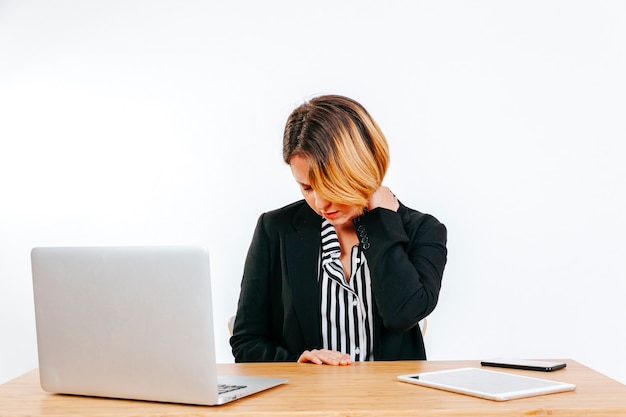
[[357, 351], [355, 303]]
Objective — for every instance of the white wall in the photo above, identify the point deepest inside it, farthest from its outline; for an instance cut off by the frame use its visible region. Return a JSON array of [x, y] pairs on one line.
[[160, 122]]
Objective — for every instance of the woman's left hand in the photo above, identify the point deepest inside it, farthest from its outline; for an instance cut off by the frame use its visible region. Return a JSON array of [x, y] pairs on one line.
[[324, 356], [383, 197]]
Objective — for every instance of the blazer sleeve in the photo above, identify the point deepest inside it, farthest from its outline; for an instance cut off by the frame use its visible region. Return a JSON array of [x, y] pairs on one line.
[[406, 253], [259, 307]]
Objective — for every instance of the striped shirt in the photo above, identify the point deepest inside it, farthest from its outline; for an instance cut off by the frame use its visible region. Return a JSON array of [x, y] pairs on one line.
[[346, 304]]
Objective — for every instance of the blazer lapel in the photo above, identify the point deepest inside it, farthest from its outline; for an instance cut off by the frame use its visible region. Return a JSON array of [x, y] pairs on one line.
[[302, 257]]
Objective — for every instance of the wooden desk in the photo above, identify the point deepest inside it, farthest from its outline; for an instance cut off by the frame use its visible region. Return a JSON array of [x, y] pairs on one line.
[[362, 389]]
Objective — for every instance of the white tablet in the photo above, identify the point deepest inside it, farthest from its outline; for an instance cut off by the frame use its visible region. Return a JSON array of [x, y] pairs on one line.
[[492, 385]]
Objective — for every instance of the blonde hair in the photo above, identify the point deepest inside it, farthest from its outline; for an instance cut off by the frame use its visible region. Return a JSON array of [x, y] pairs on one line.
[[347, 152]]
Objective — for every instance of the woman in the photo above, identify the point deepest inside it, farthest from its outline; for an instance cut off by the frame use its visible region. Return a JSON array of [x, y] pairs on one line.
[[347, 273]]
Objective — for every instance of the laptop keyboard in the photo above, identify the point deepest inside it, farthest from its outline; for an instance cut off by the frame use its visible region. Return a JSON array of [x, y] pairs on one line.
[[224, 388]]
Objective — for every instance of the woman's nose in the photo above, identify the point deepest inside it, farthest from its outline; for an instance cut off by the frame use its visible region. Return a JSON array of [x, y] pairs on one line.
[[320, 202]]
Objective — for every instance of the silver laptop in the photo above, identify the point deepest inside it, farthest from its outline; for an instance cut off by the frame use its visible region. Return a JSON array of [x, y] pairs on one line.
[[130, 322]]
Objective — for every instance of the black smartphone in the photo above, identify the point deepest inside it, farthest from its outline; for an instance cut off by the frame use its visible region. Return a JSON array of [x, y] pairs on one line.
[[527, 364]]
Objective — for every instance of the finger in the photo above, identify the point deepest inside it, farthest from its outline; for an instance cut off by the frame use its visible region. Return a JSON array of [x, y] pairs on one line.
[[308, 356], [331, 357]]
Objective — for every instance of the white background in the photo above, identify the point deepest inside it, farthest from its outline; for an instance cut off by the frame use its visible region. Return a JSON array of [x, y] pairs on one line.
[[160, 122]]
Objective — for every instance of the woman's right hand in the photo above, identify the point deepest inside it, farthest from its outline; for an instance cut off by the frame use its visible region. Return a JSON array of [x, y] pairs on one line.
[[383, 197], [324, 356]]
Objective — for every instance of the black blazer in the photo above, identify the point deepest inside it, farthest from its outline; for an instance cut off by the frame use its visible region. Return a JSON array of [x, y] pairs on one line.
[[278, 316]]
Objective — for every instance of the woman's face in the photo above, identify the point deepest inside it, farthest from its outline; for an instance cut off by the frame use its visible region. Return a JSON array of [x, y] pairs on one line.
[[337, 214]]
